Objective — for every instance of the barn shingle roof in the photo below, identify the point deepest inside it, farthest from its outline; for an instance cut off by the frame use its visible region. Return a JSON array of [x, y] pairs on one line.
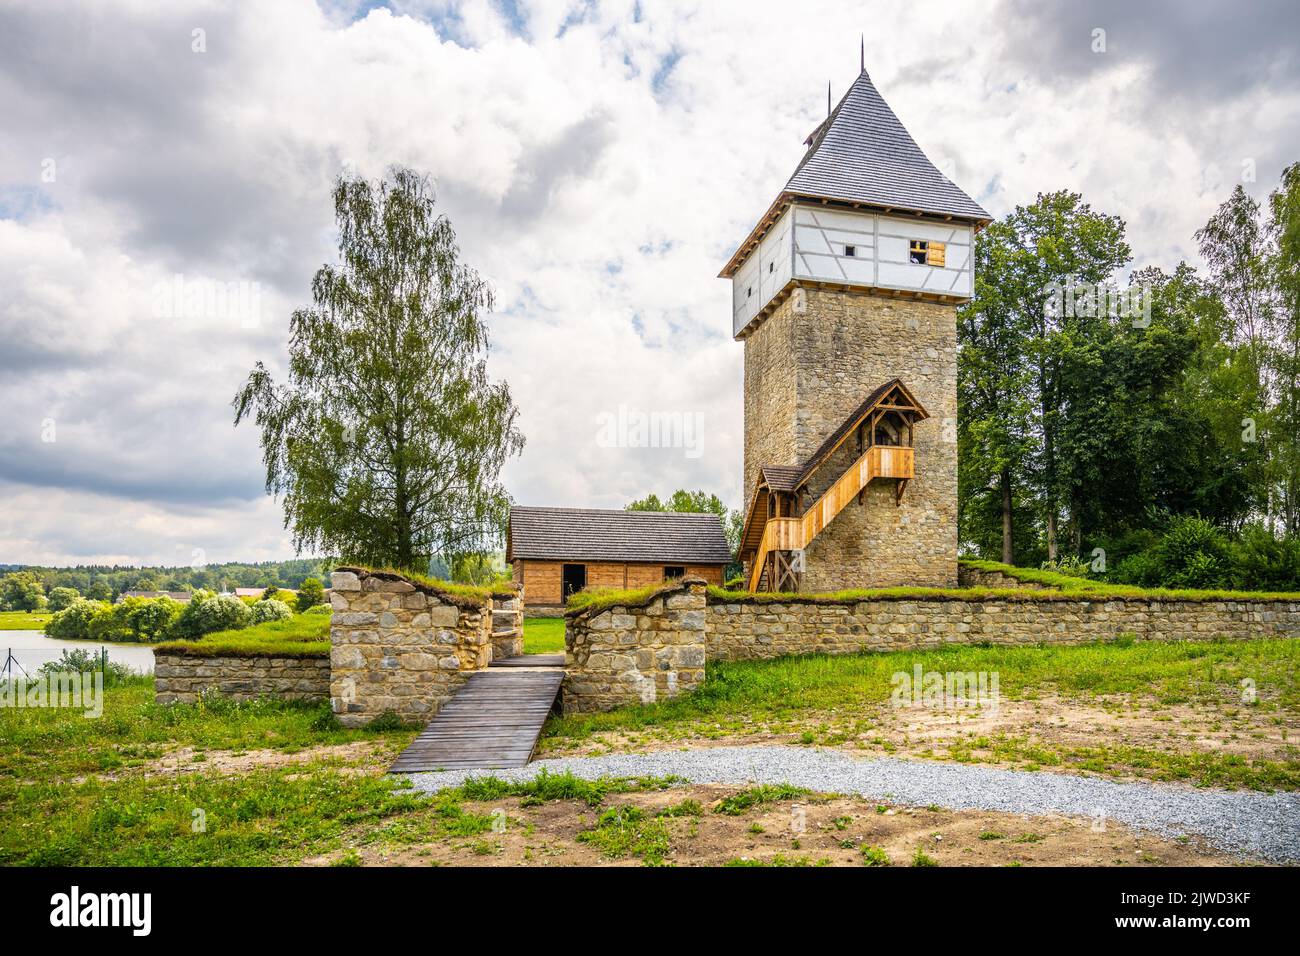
[[862, 153], [588, 534]]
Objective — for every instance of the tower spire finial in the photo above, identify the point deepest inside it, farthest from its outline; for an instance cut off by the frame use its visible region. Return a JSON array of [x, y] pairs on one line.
[[828, 98], [862, 53]]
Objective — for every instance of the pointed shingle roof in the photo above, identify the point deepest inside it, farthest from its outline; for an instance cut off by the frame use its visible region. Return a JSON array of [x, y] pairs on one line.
[[862, 153]]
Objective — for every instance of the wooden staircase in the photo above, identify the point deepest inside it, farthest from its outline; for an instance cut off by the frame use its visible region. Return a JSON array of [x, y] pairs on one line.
[[781, 536]]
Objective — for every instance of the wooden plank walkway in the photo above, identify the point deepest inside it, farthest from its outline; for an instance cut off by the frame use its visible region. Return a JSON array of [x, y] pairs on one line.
[[531, 660], [493, 721]]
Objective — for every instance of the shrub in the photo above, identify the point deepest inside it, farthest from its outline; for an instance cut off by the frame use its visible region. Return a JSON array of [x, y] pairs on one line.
[[110, 622], [1070, 565], [311, 593], [208, 612], [80, 660], [319, 609], [1262, 561], [269, 609], [1192, 553], [62, 598], [73, 622], [151, 619]]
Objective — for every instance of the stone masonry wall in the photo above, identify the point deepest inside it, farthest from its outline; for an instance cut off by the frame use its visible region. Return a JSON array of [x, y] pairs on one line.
[[752, 630], [807, 367], [635, 655], [183, 678], [401, 647], [507, 627]]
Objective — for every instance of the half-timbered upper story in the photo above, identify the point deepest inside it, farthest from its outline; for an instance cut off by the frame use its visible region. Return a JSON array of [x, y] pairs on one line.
[[865, 209]]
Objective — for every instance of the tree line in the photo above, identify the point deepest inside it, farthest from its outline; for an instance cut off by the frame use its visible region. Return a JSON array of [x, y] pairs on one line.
[[1147, 431], [25, 586]]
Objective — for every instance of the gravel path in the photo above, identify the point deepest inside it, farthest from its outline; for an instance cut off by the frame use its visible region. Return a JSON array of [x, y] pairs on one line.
[[1241, 822]]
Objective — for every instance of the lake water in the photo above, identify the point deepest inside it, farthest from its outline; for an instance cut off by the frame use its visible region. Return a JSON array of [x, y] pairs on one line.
[[31, 649]]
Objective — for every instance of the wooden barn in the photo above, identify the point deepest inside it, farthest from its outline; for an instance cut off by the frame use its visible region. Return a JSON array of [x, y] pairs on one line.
[[557, 551]]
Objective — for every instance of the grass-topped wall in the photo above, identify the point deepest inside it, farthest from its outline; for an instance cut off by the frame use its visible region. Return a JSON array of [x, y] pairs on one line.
[[305, 635]]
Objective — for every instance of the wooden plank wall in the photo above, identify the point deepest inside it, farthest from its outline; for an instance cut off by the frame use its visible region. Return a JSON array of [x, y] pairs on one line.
[[542, 580]]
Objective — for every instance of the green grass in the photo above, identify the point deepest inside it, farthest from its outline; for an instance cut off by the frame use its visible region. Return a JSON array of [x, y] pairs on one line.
[[543, 635], [467, 593], [628, 831], [874, 856], [547, 786], [23, 620], [739, 803], [303, 635], [1065, 583], [73, 790], [1055, 587], [53, 744], [600, 598], [921, 858]]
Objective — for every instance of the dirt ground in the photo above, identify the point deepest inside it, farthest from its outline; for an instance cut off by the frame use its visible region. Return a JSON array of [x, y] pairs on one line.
[[810, 831], [1056, 723]]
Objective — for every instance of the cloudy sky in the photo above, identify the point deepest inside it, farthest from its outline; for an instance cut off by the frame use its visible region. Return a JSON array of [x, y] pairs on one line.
[[599, 160]]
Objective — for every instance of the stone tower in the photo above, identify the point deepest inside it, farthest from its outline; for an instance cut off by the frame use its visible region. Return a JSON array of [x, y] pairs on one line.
[[845, 297]]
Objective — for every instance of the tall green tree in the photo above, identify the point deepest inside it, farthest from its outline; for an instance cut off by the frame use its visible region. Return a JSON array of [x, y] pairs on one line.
[[993, 394], [698, 502], [21, 591], [387, 440], [1283, 266], [1016, 344]]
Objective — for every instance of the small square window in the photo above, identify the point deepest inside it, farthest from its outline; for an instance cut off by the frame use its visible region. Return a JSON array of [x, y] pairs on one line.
[[674, 571], [917, 251], [851, 251]]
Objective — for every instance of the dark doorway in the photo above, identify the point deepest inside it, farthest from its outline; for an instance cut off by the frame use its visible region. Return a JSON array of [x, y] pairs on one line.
[[574, 578]]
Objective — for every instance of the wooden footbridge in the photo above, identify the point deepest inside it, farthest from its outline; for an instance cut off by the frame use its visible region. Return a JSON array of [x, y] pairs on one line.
[[493, 721]]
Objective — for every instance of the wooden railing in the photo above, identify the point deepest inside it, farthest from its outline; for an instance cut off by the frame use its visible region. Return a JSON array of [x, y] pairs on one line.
[[793, 534]]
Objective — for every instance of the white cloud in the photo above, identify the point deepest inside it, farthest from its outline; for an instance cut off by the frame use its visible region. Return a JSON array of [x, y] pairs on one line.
[[599, 163]]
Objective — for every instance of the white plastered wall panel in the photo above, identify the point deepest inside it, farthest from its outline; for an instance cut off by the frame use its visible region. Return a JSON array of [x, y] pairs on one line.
[[840, 246], [774, 259], [896, 271], [745, 293], [765, 273], [823, 240]]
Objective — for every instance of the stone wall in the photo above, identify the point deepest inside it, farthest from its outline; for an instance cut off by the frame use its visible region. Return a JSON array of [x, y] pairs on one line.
[[507, 626], [807, 367], [182, 678], [401, 647], [628, 654], [747, 630]]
